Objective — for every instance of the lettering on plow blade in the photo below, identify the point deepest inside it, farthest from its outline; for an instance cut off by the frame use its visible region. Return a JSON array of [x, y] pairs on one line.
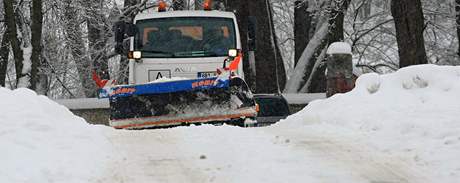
[[123, 91], [208, 82]]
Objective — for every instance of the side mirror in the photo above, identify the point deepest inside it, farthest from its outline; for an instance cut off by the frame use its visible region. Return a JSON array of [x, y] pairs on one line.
[[122, 29], [119, 31], [252, 33], [131, 29]]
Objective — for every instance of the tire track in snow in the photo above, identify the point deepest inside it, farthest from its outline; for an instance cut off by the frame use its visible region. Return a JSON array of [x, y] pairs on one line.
[[151, 156], [358, 160]]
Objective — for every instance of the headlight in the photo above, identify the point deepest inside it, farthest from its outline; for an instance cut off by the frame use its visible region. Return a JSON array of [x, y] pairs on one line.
[[137, 55], [233, 52]]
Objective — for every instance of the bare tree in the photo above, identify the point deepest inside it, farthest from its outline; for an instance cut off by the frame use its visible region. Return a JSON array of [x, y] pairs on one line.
[[4, 56], [12, 33], [317, 80], [457, 18], [269, 61], [97, 37], [303, 24], [408, 17], [309, 73], [36, 57], [74, 39]]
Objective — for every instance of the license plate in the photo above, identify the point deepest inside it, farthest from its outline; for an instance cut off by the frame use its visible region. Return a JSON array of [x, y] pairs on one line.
[[206, 74]]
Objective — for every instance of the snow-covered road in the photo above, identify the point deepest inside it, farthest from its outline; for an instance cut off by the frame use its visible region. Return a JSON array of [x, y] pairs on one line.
[[273, 154]]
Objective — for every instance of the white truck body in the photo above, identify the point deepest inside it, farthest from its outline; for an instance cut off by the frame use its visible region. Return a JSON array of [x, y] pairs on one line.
[[149, 69]]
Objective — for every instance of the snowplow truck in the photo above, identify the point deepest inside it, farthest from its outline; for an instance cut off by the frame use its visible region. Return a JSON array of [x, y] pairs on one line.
[[185, 67]]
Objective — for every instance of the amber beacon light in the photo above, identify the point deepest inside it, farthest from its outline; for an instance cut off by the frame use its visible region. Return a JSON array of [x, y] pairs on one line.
[[161, 6], [207, 5]]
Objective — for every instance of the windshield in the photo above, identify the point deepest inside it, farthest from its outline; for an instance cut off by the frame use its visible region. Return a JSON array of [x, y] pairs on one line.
[[185, 37]]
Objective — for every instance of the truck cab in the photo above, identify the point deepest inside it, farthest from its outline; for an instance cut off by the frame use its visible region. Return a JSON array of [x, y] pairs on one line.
[[181, 44]]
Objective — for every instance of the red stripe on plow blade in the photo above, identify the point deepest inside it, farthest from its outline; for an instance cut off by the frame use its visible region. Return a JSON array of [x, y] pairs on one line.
[[185, 120]]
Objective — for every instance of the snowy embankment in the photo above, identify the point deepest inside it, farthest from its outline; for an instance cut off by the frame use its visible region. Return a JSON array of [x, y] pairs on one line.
[[413, 114], [44, 142]]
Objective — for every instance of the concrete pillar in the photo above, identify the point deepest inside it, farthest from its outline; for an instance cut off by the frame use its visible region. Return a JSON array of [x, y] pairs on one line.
[[339, 69]]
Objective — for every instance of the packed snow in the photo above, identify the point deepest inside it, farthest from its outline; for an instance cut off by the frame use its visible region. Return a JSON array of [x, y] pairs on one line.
[[400, 127], [413, 114]]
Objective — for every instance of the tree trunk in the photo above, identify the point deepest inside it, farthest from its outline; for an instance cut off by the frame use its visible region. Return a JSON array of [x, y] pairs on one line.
[[269, 62], [338, 10], [10, 20], [123, 77], [309, 74], [336, 31], [36, 28], [408, 17], [302, 26], [242, 14], [267, 55], [75, 42], [308, 60], [457, 16], [97, 38], [315, 80], [316, 68], [4, 55]]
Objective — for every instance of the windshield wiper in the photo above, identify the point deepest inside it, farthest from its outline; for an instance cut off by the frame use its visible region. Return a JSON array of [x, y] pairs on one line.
[[159, 52], [197, 53]]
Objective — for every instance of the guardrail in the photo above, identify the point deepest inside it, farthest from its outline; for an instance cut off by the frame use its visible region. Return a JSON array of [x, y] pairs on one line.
[[93, 110], [298, 101], [303, 98]]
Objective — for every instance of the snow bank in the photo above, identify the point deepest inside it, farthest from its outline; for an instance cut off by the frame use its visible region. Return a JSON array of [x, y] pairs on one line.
[[414, 113], [44, 142]]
